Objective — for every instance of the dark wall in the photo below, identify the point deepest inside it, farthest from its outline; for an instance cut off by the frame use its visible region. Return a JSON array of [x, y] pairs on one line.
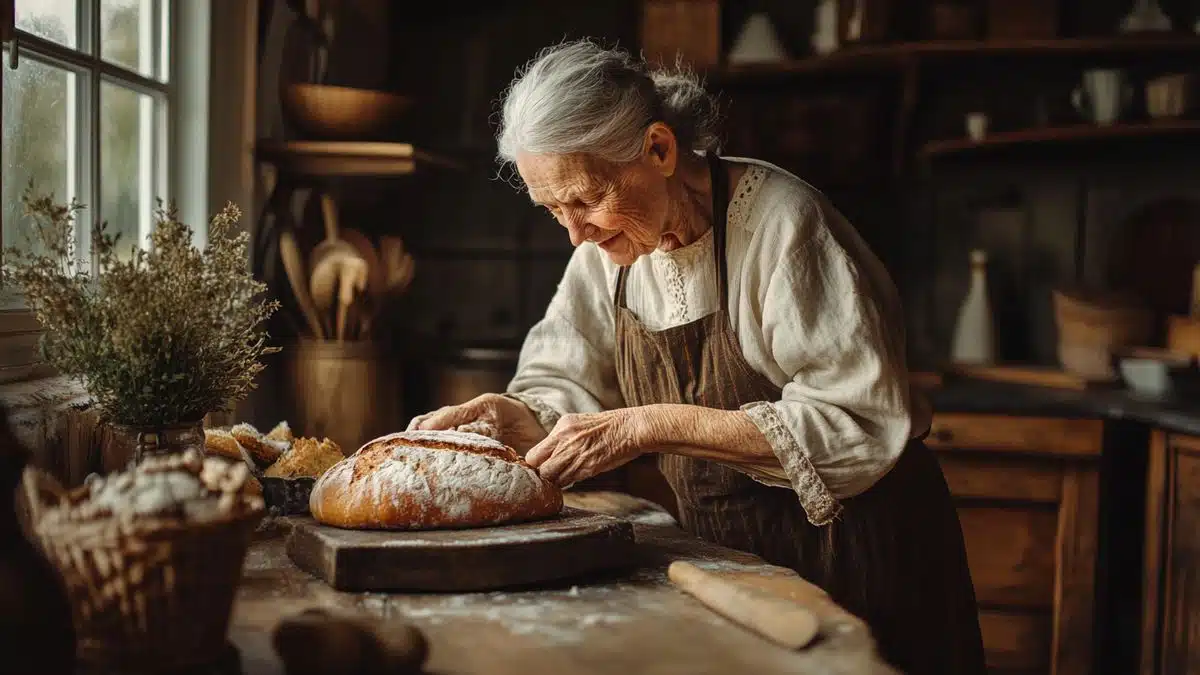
[[489, 262]]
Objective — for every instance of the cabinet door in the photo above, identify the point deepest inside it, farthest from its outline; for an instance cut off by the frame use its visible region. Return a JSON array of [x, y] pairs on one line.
[[1171, 616], [1026, 491]]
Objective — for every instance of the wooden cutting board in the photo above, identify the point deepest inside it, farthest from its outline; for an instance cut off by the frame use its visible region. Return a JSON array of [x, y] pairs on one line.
[[573, 544]]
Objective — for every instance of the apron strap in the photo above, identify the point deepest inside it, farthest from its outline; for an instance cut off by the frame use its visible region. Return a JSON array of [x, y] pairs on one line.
[[720, 188], [619, 294], [720, 197]]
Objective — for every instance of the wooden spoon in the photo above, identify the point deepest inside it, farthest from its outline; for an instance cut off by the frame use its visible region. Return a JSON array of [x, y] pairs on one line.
[[324, 272], [293, 264], [376, 272], [399, 265], [330, 215], [352, 280]]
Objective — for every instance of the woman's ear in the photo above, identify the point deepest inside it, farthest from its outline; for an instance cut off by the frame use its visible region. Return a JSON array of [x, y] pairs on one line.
[[661, 149]]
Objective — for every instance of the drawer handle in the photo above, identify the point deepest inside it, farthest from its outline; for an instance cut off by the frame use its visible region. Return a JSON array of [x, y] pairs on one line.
[[943, 435]]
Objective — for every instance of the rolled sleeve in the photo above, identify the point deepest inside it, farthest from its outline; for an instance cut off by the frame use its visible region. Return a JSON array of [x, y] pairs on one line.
[[546, 414], [817, 501], [843, 418]]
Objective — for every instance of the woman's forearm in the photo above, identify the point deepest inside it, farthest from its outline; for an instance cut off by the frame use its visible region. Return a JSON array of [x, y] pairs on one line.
[[727, 436]]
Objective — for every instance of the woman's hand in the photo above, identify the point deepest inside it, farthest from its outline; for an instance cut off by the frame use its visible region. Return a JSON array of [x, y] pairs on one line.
[[517, 425], [582, 446]]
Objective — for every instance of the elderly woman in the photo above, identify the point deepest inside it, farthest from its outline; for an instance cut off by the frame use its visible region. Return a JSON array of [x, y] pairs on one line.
[[720, 313]]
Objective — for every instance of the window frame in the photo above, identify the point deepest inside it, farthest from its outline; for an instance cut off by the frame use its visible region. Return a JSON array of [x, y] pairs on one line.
[[195, 131], [85, 59]]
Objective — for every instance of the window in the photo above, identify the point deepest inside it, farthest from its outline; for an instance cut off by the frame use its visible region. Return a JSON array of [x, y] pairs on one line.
[[112, 96], [86, 109]]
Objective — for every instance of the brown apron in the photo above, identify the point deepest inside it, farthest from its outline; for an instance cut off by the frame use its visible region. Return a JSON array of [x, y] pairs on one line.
[[894, 557]]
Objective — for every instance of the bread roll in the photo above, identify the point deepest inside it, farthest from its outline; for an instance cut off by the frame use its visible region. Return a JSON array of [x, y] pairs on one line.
[[423, 480]]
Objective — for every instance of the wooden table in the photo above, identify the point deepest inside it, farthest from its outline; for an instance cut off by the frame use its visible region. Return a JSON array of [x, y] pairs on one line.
[[626, 623]]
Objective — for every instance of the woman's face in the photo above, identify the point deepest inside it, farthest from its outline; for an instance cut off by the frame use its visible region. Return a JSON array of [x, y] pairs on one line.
[[622, 208]]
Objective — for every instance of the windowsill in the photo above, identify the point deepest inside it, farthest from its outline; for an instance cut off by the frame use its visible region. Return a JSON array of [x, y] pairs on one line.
[[29, 404], [11, 302], [20, 333]]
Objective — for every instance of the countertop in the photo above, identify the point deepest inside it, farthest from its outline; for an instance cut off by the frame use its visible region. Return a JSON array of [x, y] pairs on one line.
[[630, 622], [977, 396]]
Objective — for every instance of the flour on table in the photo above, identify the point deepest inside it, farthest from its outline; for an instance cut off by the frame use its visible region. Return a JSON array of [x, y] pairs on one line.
[[560, 617]]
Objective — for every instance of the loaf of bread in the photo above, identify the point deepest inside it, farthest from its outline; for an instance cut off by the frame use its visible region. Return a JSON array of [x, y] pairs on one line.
[[423, 480]]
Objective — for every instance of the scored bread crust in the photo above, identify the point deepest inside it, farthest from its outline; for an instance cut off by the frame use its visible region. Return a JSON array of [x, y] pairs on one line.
[[421, 480]]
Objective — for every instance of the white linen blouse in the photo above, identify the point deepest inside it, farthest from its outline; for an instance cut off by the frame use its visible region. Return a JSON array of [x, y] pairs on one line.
[[814, 311]]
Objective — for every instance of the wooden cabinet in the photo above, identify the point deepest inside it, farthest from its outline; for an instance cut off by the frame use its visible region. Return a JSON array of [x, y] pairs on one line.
[[1027, 495], [1171, 592]]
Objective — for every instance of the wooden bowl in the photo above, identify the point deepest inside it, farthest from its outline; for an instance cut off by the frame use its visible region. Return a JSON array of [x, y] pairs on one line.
[[342, 113]]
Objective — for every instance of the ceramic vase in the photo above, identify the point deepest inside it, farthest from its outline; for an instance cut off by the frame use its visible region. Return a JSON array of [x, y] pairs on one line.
[[974, 340]]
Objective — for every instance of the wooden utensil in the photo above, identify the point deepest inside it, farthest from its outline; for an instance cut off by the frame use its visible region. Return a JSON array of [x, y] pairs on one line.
[[293, 264], [398, 264], [352, 280], [323, 274], [781, 621], [376, 273], [1029, 375], [329, 216]]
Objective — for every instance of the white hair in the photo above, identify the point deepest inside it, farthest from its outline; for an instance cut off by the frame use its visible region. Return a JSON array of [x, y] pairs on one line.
[[578, 97]]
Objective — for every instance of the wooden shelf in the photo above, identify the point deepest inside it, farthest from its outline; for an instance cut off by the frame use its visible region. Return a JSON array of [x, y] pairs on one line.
[[893, 56], [1083, 133], [338, 158]]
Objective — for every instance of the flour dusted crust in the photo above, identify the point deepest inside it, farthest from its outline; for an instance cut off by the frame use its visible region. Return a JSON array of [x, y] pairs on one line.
[[424, 480]]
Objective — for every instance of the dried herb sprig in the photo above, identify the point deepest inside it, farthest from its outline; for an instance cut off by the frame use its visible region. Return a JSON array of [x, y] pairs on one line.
[[165, 335]]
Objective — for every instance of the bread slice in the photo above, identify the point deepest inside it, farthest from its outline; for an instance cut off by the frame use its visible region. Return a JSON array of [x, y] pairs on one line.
[[281, 432], [252, 486], [307, 458], [221, 442], [265, 451]]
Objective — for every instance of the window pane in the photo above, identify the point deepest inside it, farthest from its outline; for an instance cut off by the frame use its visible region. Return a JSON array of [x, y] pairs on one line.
[[39, 140], [126, 163], [52, 19], [127, 29]]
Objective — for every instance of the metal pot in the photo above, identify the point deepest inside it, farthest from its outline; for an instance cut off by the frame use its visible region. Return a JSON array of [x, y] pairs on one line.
[[470, 372]]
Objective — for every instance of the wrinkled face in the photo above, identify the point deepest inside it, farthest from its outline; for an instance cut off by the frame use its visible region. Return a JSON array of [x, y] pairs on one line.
[[623, 208]]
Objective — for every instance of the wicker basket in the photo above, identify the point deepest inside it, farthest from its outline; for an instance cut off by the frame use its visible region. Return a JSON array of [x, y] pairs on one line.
[[154, 597], [1110, 320], [1092, 326]]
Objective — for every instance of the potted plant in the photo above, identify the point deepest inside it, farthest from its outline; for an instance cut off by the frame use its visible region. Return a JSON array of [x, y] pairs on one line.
[[160, 337]]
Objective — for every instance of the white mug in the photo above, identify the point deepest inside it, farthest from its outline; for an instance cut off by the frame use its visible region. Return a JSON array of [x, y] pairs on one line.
[[1103, 95], [977, 125]]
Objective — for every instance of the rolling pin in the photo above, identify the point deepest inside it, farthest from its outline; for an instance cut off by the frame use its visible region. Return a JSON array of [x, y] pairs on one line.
[[316, 642], [781, 621]]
